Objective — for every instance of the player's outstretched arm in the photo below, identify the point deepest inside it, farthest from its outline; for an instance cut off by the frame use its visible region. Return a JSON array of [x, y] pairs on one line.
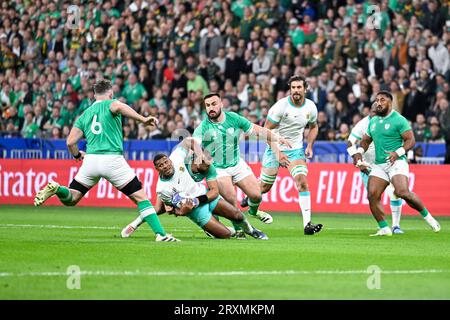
[[118, 107], [190, 143], [75, 135]]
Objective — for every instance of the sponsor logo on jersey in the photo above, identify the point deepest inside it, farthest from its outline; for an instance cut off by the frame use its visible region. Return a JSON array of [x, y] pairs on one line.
[[230, 130], [308, 115]]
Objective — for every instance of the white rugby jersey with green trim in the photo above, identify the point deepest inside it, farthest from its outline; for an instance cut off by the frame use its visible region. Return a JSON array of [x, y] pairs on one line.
[[221, 139], [358, 131], [292, 120], [181, 181], [386, 133]]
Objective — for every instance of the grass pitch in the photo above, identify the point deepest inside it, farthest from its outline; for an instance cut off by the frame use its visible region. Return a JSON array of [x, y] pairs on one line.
[[37, 245]]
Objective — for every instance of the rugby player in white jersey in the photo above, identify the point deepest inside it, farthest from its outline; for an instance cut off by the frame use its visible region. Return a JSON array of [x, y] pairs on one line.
[[288, 118]]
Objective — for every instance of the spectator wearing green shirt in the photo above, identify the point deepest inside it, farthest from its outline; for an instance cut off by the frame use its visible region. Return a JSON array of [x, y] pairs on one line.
[[29, 128], [196, 82], [296, 33], [69, 113], [55, 120], [238, 6], [134, 90]]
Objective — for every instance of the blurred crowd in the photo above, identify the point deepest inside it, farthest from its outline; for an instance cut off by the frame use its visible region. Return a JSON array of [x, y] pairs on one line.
[[164, 55]]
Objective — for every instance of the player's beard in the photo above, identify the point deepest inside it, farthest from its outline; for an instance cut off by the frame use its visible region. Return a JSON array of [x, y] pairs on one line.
[[217, 114], [382, 112], [297, 97]]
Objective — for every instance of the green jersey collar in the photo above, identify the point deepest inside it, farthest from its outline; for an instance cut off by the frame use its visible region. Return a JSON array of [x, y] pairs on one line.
[[390, 114]]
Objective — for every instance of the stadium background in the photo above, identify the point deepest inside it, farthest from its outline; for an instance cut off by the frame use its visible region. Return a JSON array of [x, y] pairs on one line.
[[162, 57]]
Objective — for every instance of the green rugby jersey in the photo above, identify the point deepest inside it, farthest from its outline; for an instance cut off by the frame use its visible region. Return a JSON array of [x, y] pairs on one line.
[[386, 133], [102, 129], [222, 139]]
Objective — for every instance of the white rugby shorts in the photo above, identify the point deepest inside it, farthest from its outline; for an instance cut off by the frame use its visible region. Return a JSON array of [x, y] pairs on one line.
[[386, 171], [238, 172], [112, 167]]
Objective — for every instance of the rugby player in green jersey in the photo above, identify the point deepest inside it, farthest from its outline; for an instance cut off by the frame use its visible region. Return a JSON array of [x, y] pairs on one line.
[[219, 134], [392, 137], [101, 125]]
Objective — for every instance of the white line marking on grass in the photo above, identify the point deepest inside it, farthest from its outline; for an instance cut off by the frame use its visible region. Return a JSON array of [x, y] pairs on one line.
[[51, 226], [215, 273]]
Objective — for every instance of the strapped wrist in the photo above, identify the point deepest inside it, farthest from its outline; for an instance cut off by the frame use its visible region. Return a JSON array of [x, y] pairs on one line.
[[352, 150], [400, 151], [77, 156]]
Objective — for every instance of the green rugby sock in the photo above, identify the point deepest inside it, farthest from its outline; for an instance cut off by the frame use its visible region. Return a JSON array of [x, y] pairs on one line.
[[149, 215], [253, 207], [382, 224], [424, 212], [64, 194], [236, 226]]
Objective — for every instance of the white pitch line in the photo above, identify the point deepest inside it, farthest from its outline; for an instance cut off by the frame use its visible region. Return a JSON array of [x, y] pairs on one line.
[[51, 226], [214, 273]]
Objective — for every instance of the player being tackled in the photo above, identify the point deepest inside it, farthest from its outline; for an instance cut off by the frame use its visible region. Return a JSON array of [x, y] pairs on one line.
[[180, 192]]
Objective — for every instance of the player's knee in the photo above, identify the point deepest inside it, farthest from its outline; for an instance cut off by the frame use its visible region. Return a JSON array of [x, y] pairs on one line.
[[402, 193], [373, 196], [301, 183], [237, 215], [255, 197], [265, 187]]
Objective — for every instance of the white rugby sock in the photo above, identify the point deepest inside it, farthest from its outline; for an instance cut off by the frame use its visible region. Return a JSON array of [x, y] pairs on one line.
[[304, 199], [136, 222]]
